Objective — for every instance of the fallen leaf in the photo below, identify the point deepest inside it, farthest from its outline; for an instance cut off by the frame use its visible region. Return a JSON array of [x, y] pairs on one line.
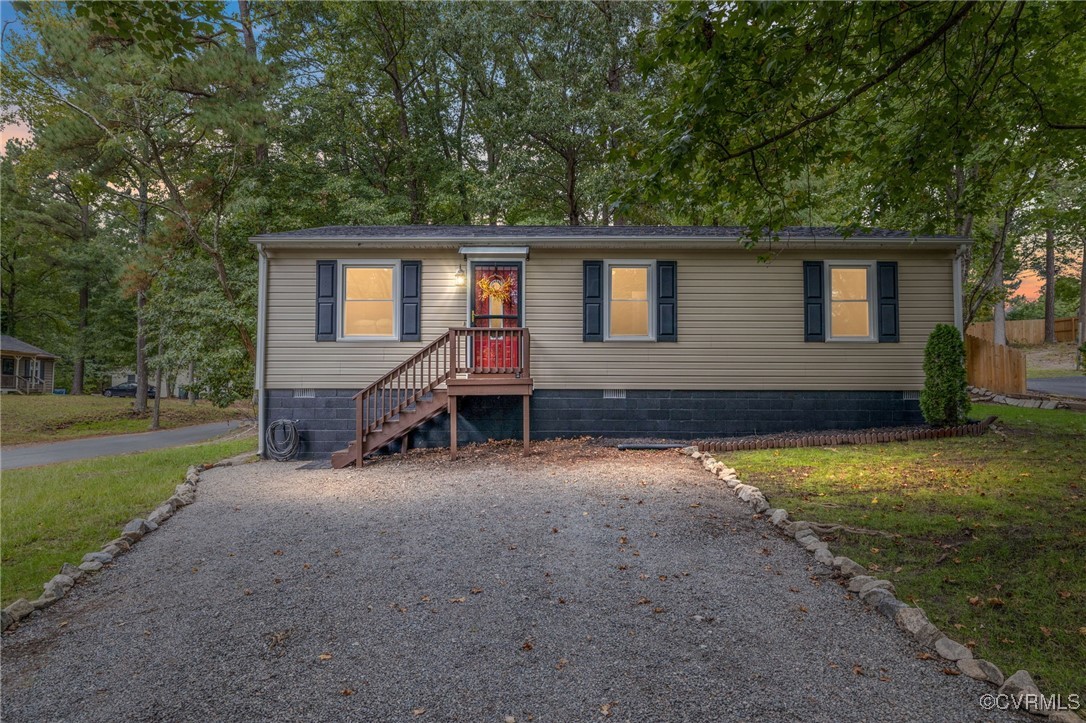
[[417, 711], [305, 566], [605, 709], [995, 602], [623, 541], [561, 664], [247, 591], [425, 598], [793, 589], [65, 624], [1064, 594], [643, 601], [554, 530], [325, 656], [951, 671], [457, 599], [347, 691], [884, 678], [659, 610], [924, 656], [857, 669], [1046, 631], [476, 590], [975, 601], [278, 552], [527, 645]]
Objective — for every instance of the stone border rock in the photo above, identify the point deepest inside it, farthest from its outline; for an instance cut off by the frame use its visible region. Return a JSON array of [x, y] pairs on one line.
[[838, 438], [880, 594], [184, 494]]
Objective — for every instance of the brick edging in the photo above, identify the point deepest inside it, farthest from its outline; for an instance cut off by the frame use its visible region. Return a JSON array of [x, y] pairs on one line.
[[973, 429]]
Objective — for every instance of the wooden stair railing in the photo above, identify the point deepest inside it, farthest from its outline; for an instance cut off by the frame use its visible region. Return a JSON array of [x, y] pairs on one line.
[[414, 386]]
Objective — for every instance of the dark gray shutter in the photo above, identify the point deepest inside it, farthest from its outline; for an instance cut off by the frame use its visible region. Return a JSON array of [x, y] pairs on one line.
[[888, 304], [593, 301], [326, 301], [666, 298], [814, 304], [410, 300]]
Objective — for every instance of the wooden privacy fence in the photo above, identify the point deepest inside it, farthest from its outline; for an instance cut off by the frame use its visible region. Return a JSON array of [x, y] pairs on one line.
[[1028, 331], [994, 367]]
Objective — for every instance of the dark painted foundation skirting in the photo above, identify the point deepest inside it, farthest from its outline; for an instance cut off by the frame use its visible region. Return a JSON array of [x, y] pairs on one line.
[[326, 420]]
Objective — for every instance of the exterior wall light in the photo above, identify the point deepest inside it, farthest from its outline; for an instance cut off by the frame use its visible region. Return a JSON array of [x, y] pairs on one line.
[[459, 278]]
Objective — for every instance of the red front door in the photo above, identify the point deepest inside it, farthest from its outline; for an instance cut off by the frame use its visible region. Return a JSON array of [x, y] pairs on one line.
[[496, 296]]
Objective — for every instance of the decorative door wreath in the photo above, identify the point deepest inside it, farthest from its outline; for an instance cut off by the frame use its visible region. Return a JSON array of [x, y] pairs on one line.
[[497, 286]]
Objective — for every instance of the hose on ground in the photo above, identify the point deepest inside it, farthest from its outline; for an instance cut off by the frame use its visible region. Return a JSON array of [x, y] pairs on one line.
[[281, 440]]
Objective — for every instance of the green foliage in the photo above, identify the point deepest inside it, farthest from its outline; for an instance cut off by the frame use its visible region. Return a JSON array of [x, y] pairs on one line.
[[160, 29], [945, 399]]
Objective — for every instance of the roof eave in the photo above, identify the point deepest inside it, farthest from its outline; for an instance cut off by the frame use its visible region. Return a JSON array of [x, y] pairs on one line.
[[545, 242]]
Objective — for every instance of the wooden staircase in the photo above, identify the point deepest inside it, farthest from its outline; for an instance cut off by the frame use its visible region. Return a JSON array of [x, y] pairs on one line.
[[461, 362]]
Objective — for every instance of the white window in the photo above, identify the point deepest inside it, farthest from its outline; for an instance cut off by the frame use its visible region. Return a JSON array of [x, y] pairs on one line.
[[368, 300], [630, 301], [852, 300]]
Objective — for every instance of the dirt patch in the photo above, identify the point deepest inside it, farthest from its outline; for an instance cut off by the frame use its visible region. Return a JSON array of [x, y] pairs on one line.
[[1050, 356]]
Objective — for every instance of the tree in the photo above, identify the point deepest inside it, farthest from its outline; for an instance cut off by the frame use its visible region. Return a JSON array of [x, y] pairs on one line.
[[934, 117]]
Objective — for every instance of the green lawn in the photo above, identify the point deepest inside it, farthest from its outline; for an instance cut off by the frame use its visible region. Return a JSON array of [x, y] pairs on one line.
[[57, 513], [50, 418], [992, 530], [1052, 373]]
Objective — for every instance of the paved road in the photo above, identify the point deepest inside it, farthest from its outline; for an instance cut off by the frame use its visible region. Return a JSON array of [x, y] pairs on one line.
[[36, 454], [580, 584], [1063, 386]]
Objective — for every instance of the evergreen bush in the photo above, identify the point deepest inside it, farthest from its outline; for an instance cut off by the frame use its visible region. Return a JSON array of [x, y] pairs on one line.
[[945, 399]]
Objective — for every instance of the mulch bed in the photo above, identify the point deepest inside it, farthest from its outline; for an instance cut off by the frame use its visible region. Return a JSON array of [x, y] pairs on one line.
[[838, 437]]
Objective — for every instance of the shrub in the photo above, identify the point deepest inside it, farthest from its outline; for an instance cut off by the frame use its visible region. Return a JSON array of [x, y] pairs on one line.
[[945, 399]]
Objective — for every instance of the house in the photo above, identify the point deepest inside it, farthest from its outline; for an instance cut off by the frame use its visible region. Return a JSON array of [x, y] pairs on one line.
[[24, 368], [376, 337], [179, 378]]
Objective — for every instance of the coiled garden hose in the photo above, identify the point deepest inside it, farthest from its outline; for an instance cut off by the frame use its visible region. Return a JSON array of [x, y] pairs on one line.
[[281, 440]]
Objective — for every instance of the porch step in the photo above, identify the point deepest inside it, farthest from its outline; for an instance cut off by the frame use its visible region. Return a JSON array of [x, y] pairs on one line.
[[409, 419]]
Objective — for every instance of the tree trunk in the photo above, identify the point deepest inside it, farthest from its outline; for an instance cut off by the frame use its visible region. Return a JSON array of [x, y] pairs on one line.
[[158, 385], [140, 405], [999, 311], [79, 363], [571, 189], [1082, 298], [192, 383], [1050, 287]]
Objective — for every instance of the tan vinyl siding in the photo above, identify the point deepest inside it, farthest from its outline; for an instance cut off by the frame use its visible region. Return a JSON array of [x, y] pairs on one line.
[[740, 326]]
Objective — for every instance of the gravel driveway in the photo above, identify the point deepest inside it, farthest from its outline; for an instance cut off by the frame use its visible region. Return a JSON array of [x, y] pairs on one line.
[[580, 583]]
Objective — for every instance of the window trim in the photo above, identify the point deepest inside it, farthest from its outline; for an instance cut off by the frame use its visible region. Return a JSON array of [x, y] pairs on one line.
[[341, 297], [650, 264], [872, 294]]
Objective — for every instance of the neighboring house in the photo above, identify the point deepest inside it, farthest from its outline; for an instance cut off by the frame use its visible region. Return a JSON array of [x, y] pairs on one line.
[[623, 332], [24, 368], [180, 379]]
